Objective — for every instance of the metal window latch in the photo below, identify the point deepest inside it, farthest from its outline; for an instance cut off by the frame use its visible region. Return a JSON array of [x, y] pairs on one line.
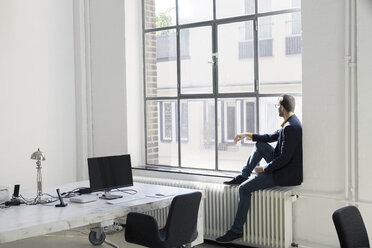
[[214, 58]]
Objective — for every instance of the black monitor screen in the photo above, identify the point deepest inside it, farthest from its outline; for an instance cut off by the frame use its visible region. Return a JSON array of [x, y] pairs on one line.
[[111, 172]]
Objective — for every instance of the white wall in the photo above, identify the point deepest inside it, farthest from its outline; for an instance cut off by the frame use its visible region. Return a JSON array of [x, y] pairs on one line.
[[37, 91], [364, 65], [323, 122], [116, 91], [134, 81], [364, 96], [108, 84]]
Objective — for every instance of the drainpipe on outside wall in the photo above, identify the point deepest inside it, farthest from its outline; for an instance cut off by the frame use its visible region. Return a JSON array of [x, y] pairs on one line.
[[351, 110]]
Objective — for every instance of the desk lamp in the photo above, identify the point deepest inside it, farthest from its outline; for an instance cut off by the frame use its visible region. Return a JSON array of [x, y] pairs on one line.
[[39, 156]]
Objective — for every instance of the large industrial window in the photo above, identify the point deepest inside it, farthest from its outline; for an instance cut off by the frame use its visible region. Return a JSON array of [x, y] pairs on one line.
[[215, 68]]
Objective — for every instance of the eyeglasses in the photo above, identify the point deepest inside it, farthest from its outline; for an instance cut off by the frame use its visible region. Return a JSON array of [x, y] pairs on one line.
[[277, 105]]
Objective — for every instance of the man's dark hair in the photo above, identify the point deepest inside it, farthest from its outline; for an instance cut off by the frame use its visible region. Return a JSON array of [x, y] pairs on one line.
[[288, 102]]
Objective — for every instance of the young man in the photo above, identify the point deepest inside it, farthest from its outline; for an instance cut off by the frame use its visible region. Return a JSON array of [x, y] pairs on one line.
[[284, 163]]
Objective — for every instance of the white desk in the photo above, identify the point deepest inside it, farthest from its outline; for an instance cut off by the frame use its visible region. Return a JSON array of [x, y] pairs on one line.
[[24, 221]]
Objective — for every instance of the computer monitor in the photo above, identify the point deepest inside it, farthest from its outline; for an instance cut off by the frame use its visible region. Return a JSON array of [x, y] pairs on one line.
[[107, 173]]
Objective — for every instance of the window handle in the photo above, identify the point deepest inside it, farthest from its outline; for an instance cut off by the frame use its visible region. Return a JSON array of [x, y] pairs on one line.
[[214, 58]]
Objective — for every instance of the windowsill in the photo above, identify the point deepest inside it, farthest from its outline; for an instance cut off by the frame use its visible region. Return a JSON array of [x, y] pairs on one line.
[[195, 172]]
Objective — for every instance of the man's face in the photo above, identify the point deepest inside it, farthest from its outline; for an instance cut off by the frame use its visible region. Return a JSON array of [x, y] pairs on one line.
[[280, 109]]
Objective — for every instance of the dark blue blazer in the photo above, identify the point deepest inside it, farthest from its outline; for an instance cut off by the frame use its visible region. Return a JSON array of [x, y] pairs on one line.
[[287, 163]]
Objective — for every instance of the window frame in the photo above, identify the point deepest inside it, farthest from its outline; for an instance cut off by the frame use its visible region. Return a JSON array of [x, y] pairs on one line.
[[256, 95]]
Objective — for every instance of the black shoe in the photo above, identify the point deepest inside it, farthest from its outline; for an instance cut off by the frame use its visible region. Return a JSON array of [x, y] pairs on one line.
[[229, 237], [236, 180]]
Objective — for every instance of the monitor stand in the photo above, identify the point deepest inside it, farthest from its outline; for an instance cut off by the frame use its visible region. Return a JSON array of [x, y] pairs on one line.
[[107, 196]]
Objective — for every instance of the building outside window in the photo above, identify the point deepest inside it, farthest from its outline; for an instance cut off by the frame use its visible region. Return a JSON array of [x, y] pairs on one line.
[[293, 40], [214, 71]]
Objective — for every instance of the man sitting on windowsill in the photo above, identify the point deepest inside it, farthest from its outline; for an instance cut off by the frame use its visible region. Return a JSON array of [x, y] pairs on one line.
[[284, 164]]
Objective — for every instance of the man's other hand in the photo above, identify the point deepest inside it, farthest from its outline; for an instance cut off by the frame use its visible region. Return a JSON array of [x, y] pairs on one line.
[[259, 169], [239, 137]]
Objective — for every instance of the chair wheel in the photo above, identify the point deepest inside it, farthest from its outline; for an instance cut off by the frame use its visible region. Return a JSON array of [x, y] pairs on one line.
[[94, 240]]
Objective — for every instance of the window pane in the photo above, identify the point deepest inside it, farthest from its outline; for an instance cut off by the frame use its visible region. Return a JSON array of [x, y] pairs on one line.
[[161, 63], [160, 13], [270, 120], [275, 5], [161, 128], [195, 11], [280, 59], [235, 57], [199, 150], [196, 71], [298, 108], [184, 121], [235, 116], [225, 9], [269, 115]]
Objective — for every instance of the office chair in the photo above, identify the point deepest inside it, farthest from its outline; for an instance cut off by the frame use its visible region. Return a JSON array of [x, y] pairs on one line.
[[180, 228], [350, 227]]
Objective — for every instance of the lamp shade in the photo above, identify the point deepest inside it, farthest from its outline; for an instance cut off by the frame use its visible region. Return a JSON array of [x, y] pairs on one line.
[[38, 155]]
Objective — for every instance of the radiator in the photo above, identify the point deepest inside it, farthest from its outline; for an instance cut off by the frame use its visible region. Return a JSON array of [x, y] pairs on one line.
[[269, 221]]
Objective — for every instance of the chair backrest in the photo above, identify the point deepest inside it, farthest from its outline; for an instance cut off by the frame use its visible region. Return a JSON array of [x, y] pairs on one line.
[[182, 219], [350, 227]]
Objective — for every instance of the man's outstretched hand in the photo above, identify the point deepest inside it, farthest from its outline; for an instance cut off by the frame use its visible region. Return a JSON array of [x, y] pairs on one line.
[[239, 137]]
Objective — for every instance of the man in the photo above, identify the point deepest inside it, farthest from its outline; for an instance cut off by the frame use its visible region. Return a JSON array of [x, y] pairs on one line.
[[284, 164]]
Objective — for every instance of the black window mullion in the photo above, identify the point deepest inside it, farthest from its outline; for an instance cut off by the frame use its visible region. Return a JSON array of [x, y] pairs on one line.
[[215, 81], [144, 76], [178, 84], [256, 72]]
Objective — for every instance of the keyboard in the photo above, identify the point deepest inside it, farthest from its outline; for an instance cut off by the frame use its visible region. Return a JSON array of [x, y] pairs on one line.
[[125, 198]]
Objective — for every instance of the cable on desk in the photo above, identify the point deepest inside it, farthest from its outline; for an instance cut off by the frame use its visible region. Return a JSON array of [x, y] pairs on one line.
[[26, 201], [48, 204], [56, 197], [72, 192]]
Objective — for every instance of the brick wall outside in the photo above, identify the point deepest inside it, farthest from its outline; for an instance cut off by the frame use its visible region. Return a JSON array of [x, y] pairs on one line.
[[151, 85]]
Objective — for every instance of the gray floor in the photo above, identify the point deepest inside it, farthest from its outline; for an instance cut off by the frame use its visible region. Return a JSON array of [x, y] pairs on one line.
[[77, 238]]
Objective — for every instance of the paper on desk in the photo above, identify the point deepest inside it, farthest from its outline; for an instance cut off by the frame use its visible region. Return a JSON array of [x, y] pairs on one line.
[[159, 195]]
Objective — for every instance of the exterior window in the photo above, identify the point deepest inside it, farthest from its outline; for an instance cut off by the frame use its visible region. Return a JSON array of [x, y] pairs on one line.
[[208, 119], [248, 120], [293, 40], [212, 69], [246, 46], [166, 46], [230, 120], [167, 121], [184, 122], [238, 116], [265, 42]]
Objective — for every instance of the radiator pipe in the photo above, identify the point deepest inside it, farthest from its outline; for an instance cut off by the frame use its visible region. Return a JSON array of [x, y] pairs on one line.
[[351, 132], [347, 97], [354, 105], [351, 108]]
